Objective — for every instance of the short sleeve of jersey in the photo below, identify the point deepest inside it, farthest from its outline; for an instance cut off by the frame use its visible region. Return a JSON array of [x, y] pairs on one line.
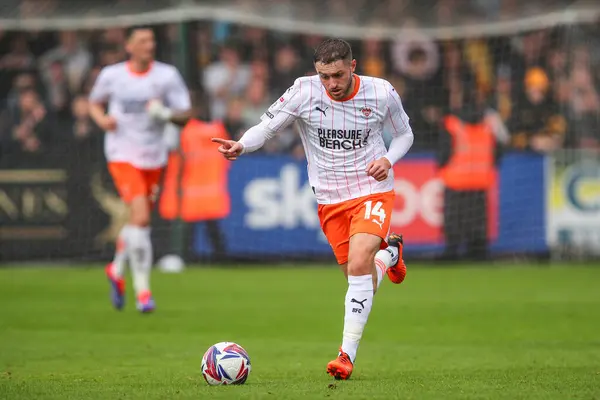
[[396, 121], [177, 95], [285, 110], [101, 90]]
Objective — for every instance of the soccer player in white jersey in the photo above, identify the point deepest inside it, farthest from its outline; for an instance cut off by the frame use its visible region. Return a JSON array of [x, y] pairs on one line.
[[143, 96], [341, 118]]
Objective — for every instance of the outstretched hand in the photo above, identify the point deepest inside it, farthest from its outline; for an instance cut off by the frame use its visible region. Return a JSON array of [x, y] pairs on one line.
[[379, 169], [230, 149]]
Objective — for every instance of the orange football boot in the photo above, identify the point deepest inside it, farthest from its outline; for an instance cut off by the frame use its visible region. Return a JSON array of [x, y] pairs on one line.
[[397, 272], [341, 367]]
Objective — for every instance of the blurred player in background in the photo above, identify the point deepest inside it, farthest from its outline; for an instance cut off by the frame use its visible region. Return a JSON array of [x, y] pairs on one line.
[[143, 96], [341, 117]]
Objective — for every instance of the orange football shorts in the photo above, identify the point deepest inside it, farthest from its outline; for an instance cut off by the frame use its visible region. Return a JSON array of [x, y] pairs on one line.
[[368, 214], [132, 182]]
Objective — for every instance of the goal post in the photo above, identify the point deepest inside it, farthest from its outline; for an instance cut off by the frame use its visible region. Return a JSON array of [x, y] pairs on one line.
[[303, 17]]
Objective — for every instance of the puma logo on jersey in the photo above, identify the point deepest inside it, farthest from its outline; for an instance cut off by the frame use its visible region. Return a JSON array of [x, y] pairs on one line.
[[321, 110], [362, 303]]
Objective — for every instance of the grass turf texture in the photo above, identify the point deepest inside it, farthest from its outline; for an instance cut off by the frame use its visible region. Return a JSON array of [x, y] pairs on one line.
[[468, 333]]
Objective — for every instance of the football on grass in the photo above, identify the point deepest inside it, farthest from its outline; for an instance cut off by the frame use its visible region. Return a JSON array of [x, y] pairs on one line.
[[225, 363]]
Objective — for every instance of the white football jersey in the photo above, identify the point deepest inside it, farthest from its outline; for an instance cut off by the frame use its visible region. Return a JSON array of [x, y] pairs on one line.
[[138, 138], [341, 137]]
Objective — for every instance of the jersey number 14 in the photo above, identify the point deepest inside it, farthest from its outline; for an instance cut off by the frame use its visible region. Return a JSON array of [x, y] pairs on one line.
[[375, 212]]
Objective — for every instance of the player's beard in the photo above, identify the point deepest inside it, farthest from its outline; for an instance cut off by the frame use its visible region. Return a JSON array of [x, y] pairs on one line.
[[346, 92], [349, 87]]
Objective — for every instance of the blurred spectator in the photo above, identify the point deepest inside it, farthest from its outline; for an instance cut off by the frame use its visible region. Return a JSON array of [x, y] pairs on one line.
[[21, 83], [537, 124], [260, 71], [286, 68], [233, 121], [224, 79], [255, 44], [584, 102], [257, 103], [28, 132], [19, 57], [58, 96], [372, 59], [75, 61], [503, 96], [452, 74], [204, 46], [528, 51], [557, 63], [477, 56], [83, 127], [111, 54], [116, 36], [309, 44], [90, 79], [15, 58]]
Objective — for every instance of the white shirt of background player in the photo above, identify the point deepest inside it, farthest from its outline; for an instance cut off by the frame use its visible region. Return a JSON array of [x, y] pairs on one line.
[[138, 103]]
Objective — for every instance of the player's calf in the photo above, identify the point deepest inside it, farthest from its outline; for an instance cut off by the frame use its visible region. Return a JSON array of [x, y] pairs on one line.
[[140, 252], [359, 296], [140, 257]]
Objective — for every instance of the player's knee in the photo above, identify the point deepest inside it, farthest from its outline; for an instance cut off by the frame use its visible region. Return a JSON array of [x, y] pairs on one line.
[[360, 262], [139, 221], [362, 254]]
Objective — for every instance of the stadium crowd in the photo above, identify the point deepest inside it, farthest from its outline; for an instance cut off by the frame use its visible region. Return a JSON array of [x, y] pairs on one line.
[[543, 83]]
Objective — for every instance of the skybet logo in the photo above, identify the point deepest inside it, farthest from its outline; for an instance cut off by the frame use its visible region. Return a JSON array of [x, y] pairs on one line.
[[286, 201]]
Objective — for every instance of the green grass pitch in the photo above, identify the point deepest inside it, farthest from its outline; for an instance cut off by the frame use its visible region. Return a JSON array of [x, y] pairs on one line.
[[503, 332]]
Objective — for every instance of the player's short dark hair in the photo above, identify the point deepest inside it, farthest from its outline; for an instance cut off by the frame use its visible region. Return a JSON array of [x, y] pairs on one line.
[[332, 50], [133, 29]]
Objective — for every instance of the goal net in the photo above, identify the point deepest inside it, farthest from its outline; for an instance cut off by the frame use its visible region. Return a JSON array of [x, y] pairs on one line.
[[531, 67]]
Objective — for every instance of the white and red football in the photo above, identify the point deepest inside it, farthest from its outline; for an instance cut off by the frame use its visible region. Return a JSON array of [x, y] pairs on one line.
[[226, 363]]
